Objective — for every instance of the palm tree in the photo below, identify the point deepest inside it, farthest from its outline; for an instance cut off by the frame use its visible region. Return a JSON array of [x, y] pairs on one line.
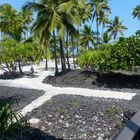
[[99, 7], [8, 16], [87, 37], [103, 19], [106, 38], [136, 13], [52, 19], [80, 13], [115, 27]]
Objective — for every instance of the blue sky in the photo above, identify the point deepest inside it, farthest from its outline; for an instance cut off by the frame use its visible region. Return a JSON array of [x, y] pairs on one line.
[[121, 8]]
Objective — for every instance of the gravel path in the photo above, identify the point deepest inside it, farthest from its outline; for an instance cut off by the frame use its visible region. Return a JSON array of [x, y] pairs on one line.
[[72, 117], [35, 82], [62, 115], [22, 96]]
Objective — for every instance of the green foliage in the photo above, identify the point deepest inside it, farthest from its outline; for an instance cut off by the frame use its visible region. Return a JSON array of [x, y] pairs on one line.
[[10, 122], [115, 27], [12, 51], [61, 110], [111, 111], [122, 55], [136, 12], [91, 59]]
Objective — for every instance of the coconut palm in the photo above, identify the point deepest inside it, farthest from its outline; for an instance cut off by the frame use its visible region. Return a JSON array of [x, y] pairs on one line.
[[99, 7], [104, 20], [52, 18], [115, 27], [8, 17], [81, 12], [106, 38], [87, 37], [136, 13]]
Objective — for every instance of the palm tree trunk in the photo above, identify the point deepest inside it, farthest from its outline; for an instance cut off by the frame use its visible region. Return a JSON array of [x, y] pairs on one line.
[[67, 53], [77, 51], [19, 66], [55, 54], [88, 46], [78, 40], [97, 26], [73, 49], [46, 64], [63, 65], [102, 30]]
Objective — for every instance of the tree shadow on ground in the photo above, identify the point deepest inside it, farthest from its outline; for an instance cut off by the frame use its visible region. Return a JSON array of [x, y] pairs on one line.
[[10, 75], [31, 134], [118, 80]]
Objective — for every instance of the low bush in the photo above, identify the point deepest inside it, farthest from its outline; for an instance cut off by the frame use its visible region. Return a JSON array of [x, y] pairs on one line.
[[123, 55]]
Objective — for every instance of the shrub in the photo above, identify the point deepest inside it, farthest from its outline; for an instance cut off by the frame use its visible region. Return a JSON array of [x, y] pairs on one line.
[[122, 55], [91, 59], [13, 52]]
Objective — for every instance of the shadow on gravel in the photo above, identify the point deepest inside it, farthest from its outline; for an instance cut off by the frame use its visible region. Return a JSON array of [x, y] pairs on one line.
[[10, 75], [118, 80], [89, 79], [31, 134]]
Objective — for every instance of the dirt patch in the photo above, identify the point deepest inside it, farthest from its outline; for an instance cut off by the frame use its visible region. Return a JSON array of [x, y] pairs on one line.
[[95, 80]]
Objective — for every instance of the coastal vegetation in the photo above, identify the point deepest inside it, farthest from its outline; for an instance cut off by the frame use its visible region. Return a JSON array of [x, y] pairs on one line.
[[60, 30]]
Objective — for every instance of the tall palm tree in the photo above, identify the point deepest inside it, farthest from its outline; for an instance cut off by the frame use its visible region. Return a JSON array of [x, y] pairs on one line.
[[115, 27], [52, 19], [136, 13], [104, 20], [99, 7], [87, 37], [81, 12]]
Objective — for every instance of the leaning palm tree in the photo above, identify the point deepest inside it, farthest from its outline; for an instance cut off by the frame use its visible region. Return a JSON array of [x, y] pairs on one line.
[[99, 7], [115, 27], [136, 13]]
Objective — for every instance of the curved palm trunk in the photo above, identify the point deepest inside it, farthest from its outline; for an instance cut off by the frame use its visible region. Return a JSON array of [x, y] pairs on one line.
[[67, 53], [63, 65], [55, 54]]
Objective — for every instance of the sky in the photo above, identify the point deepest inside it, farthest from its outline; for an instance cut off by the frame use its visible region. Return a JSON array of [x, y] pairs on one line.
[[121, 8]]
